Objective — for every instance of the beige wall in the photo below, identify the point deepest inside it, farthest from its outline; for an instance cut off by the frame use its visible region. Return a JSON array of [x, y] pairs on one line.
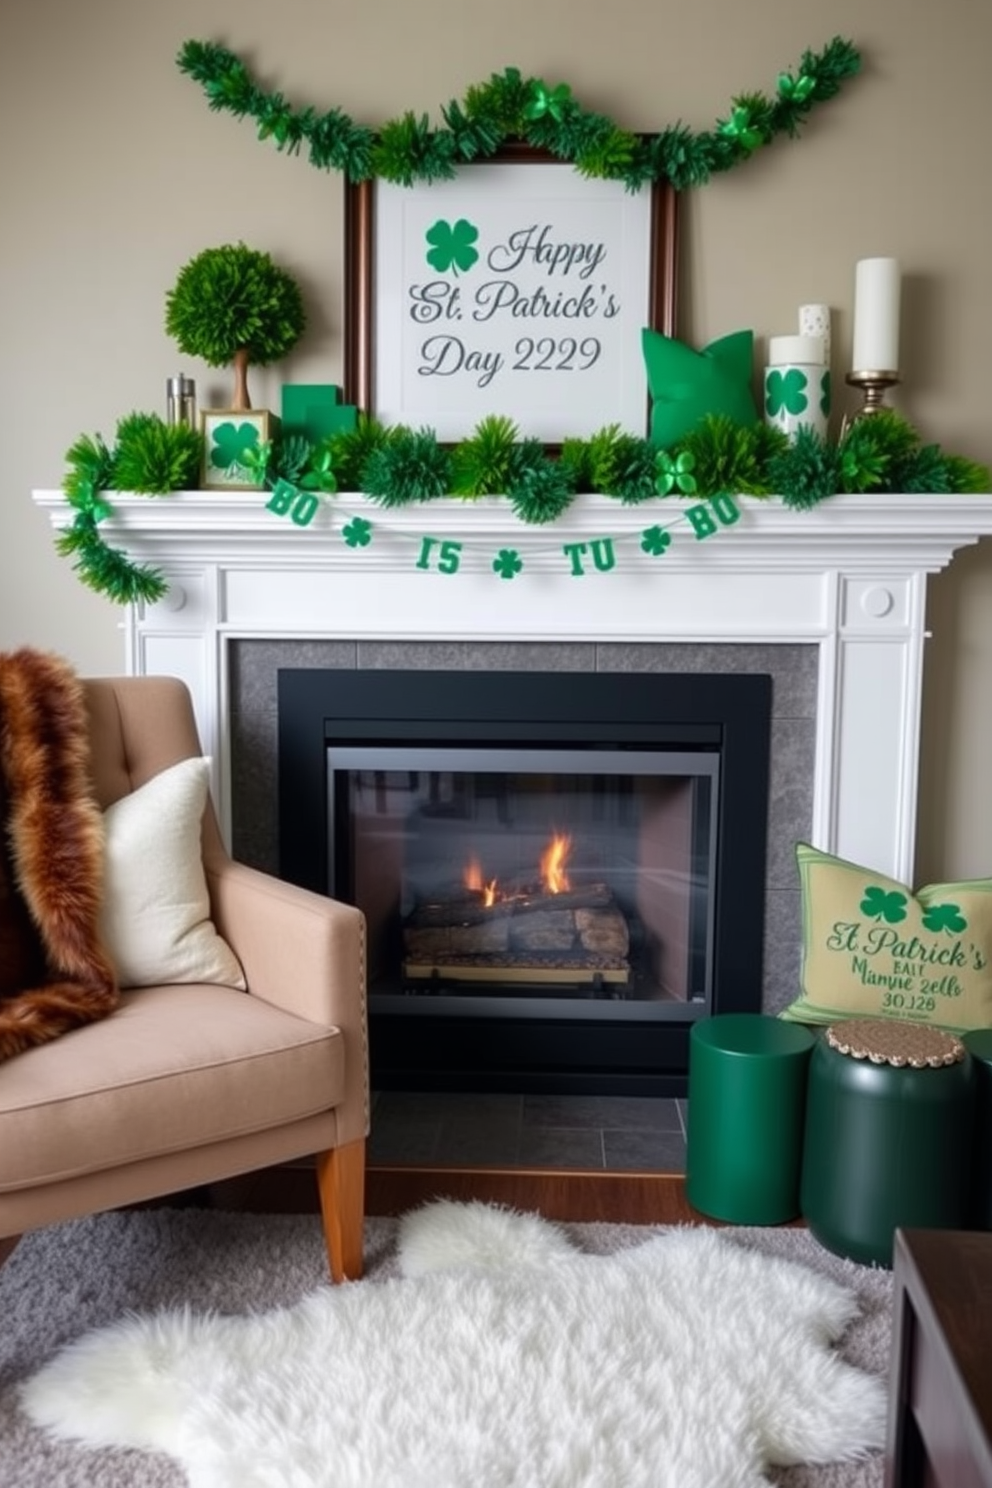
[[114, 172]]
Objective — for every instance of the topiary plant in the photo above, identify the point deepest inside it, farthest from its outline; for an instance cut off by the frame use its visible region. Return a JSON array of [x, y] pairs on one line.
[[234, 305]]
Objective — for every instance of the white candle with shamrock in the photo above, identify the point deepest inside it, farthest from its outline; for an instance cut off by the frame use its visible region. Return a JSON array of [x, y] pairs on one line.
[[797, 385]]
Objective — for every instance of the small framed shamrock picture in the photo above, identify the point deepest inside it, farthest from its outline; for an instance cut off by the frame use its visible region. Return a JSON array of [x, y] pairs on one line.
[[233, 447], [517, 288]]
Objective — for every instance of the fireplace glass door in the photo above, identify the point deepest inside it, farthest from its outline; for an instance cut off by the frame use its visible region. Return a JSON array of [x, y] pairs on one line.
[[547, 877]]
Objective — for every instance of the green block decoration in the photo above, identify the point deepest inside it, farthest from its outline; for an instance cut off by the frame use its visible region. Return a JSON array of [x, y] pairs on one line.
[[686, 385], [313, 410]]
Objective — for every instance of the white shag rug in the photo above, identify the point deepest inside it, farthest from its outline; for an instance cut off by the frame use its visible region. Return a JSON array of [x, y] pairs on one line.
[[502, 1358]]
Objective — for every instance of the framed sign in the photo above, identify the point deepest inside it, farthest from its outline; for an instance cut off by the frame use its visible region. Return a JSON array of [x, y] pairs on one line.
[[519, 288]]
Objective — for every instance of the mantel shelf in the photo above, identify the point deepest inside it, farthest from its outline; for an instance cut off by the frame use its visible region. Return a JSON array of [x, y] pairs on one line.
[[854, 533]]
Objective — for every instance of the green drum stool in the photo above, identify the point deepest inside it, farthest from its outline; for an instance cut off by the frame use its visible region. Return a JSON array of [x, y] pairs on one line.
[[889, 1136], [747, 1090], [979, 1046]]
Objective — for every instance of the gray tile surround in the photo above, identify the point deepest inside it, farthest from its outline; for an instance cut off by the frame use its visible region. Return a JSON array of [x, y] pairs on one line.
[[254, 664]]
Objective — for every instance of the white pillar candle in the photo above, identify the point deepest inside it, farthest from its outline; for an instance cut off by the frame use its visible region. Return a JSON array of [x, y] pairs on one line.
[[876, 316]]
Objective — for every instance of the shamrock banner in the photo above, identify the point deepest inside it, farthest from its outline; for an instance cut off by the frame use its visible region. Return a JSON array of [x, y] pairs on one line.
[[434, 553]]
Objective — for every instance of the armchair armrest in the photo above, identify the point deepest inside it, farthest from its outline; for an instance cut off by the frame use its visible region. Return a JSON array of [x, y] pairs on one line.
[[304, 953]]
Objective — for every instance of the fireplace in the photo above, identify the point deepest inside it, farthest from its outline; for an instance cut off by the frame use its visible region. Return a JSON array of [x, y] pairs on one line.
[[559, 873]]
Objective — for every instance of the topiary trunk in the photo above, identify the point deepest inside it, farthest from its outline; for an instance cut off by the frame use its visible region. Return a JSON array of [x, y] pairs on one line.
[[241, 398]]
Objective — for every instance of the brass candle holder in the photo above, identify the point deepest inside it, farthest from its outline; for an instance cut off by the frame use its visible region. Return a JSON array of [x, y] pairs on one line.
[[873, 386]]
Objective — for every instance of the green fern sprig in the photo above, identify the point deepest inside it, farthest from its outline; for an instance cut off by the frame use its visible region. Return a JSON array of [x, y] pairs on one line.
[[352, 449], [484, 464], [732, 457]]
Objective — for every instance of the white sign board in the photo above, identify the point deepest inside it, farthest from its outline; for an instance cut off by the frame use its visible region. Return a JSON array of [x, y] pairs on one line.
[[514, 289]]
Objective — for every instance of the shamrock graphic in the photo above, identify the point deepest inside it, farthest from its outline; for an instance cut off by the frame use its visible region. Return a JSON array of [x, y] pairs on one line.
[[544, 100], [825, 394], [320, 476], [786, 391], [878, 905], [655, 540], [945, 917], [451, 245], [358, 533], [507, 563], [675, 474], [231, 443]]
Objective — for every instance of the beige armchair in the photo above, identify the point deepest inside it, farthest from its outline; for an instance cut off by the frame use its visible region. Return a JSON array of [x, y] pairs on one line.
[[184, 1085]]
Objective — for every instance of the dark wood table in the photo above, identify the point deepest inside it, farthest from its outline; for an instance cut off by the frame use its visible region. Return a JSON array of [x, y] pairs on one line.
[[940, 1405]]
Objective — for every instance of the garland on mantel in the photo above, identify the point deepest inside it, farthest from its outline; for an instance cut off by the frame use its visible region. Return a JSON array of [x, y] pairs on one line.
[[510, 106], [396, 467]]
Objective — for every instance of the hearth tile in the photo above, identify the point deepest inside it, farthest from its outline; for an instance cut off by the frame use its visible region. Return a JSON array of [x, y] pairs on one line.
[[472, 656], [625, 1112], [466, 1107], [560, 1147], [790, 797], [395, 1141], [662, 1152]]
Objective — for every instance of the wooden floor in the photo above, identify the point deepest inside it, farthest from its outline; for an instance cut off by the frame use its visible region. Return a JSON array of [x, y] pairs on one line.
[[567, 1195]]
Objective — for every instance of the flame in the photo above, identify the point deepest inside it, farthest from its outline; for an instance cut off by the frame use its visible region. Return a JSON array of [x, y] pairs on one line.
[[554, 879], [472, 879]]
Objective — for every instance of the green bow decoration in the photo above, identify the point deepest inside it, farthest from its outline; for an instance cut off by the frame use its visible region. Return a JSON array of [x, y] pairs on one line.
[[675, 474], [545, 100], [795, 89], [741, 130]]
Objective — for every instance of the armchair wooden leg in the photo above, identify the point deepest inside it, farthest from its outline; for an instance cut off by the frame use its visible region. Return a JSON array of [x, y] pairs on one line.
[[7, 1243], [341, 1181]]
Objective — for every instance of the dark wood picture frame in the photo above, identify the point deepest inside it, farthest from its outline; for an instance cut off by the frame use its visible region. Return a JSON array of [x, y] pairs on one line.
[[360, 275]]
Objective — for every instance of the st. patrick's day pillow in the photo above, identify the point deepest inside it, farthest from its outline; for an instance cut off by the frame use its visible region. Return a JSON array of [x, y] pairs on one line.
[[873, 948], [155, 920]]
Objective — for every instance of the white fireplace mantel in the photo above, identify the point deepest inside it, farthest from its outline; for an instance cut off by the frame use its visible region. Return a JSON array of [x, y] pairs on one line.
[[848, 576]]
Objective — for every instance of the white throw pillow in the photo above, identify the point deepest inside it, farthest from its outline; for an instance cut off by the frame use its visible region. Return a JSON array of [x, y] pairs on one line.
[[156, 915]]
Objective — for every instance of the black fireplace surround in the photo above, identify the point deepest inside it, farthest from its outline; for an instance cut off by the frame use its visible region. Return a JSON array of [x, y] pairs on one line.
[[551, 1040]]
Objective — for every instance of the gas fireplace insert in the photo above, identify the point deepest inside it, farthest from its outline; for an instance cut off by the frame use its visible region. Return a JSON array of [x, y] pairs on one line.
[[559, 872]]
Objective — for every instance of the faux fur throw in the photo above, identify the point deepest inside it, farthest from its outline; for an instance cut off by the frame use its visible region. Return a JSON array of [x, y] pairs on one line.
[[54, 971], [503, 1357]]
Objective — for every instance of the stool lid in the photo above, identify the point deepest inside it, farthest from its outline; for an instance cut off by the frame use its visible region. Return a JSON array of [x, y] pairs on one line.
[[893, 1041]]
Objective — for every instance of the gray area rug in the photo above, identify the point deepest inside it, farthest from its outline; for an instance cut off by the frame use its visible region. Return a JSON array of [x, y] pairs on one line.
[[61, 1282]]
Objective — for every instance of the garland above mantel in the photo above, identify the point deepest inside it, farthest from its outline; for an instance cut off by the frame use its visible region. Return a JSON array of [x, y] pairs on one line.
[[511, 107], [397, 467]]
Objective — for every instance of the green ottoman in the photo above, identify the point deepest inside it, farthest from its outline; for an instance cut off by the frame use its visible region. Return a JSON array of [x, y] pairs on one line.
[[979, 1046], [747, 1090], [889, 1136]]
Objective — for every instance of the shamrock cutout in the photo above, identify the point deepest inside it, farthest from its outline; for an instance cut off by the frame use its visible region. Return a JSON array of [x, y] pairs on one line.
[[945, 917], [655, 540], [358, 533], [507, 563], [825, 394], [452, 246], [785, 391], [740, 129], [675, 474], [231, 443], [878, 905], [545, 100], [320, 476], [795, 90]]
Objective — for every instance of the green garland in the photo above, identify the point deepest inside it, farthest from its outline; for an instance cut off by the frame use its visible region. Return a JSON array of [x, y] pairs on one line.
[[397, 466], [512, 107]]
